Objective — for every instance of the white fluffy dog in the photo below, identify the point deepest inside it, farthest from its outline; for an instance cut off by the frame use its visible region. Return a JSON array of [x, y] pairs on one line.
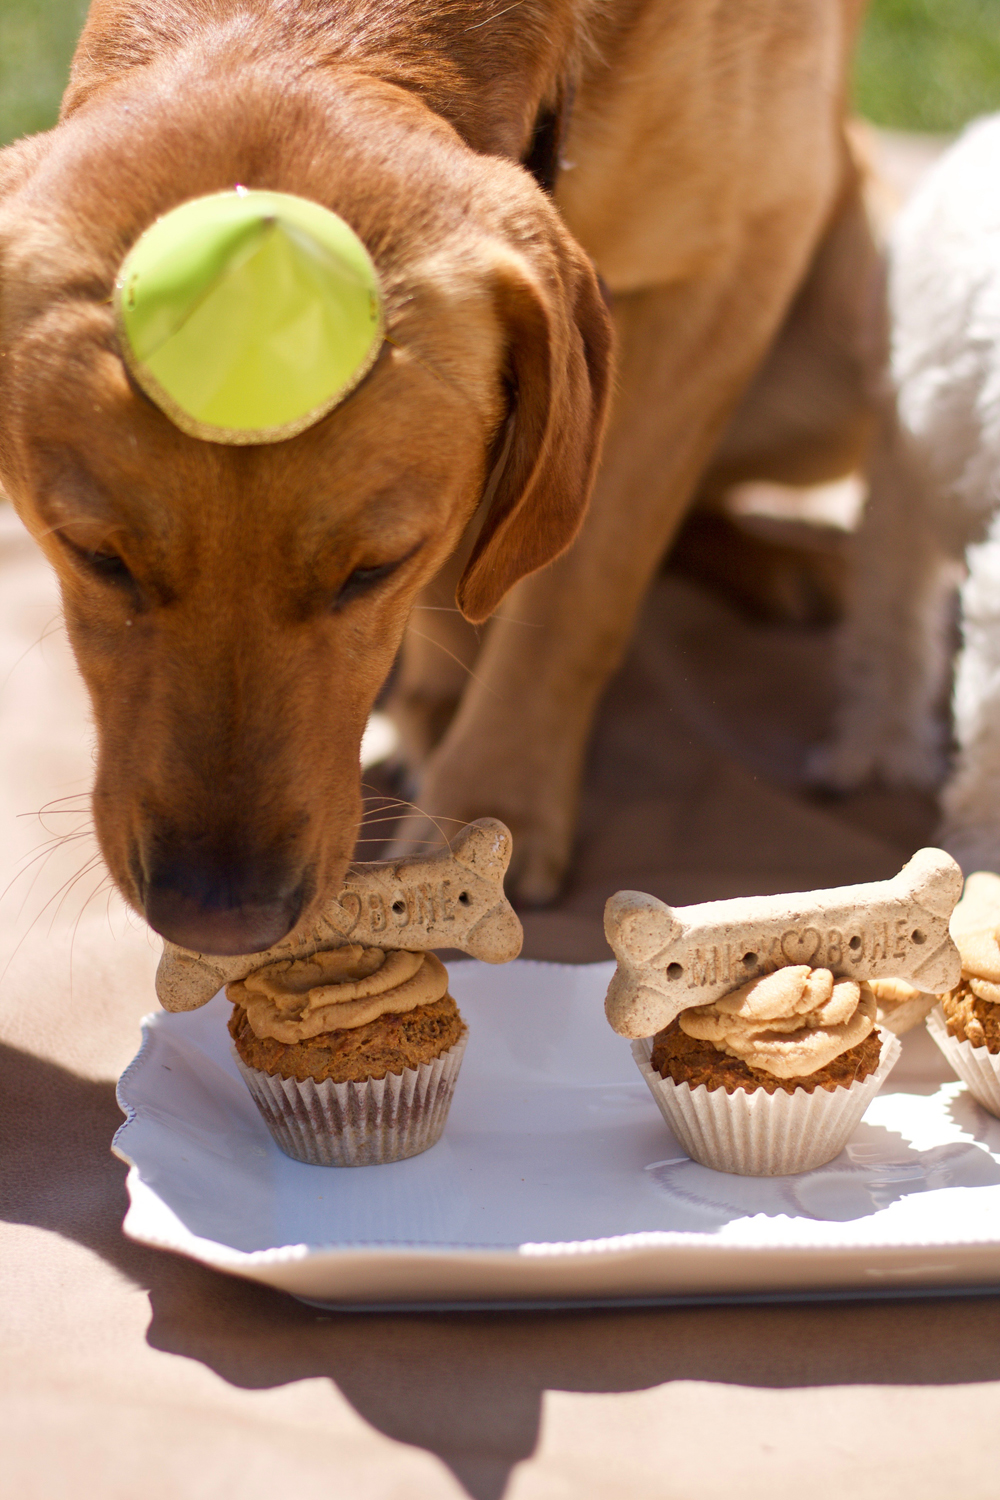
[[934, 514]]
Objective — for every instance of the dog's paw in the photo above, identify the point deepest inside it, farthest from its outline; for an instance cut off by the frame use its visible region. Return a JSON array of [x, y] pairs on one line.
[[976, 845], [837, 767], [847, 762], [911, 763], [542, 834], [537, 866]]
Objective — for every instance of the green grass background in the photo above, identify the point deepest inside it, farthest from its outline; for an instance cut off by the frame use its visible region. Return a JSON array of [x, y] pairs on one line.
[[929, 64], [923, 64], [37, 38]]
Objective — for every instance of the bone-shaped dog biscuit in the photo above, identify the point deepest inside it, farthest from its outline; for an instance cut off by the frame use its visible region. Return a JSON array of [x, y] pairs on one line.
[[670, 959], [452, 899]]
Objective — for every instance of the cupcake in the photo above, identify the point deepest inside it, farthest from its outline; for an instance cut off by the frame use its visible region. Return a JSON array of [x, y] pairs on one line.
[[351, 1055], [899, 1005], [966, 1025], [773, 1077]]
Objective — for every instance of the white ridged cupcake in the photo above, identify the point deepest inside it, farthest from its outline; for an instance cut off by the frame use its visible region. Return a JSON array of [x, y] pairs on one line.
[[351, 1055], [358, 1124], [773, 1078], [759, 1134], [966, 1024]]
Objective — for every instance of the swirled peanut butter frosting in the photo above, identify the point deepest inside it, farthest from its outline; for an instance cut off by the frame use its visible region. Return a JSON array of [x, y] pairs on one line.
[[975, 926], [298, 998], [790, 1023]]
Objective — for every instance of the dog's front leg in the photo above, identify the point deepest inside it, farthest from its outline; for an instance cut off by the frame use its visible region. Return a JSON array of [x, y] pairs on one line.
[[516, 747], [894, 650], [971, 800]]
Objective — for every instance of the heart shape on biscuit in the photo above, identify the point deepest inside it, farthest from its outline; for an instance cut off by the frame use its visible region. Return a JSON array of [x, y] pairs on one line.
[[801, 947], [350, 904]]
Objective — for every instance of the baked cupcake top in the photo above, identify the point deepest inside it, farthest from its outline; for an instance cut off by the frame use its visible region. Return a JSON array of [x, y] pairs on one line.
[[975, 926], [789, 1023], [339, 989]]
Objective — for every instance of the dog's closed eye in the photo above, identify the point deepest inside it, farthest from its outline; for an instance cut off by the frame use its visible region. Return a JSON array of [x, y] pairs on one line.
[[362, 579], [110, 567], [103, 563]]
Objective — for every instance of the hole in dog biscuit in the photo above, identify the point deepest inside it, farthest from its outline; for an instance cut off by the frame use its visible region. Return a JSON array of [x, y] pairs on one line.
[[674, 971], [464, 898], [916, 936], [855, 945], [399, 907], [749, 959]]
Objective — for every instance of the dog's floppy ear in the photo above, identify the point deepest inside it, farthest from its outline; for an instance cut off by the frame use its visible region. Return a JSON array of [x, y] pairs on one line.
[[559, 368]]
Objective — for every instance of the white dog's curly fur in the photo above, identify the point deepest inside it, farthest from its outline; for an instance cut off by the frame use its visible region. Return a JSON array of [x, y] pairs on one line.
[[934, 514]]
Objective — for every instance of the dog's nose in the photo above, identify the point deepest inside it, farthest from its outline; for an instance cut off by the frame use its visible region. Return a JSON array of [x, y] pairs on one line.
[[219, 911]]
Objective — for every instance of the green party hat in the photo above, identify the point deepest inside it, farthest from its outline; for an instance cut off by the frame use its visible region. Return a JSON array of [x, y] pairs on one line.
[[247, 316]]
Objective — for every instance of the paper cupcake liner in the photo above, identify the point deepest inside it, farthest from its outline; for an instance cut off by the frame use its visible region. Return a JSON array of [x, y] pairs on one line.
[[358, 1124], [978, 1068], [759, 1134], [901, 1016]]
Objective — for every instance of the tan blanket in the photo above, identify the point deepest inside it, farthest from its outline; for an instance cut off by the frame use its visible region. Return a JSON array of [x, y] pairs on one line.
[[128, 1373]]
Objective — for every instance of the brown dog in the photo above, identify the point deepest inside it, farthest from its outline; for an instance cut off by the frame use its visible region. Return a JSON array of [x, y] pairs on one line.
[[235, 610]]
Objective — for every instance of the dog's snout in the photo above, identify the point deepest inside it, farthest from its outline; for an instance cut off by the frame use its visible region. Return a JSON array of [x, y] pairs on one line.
[[220, 906]]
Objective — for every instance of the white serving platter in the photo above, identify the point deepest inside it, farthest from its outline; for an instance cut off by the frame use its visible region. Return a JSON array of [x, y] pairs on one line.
[[556, 1179]]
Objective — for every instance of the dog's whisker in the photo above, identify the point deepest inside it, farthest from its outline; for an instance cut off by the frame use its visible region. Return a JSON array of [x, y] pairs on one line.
[[457, 659], [88, 831], [68, 885], [55, 839], [522, 624], [415, 808], [54, 833], [111, 888], [421, 813], [61, 893], [83, 828], [79, 918], [56, 836], [59, 527], [417, 843], [50, 629], [392, 815], [384, 801], [70, 833], [453, 609], [495, 17], [389, 801], [431, 819], [49, 809], [43, 855], [51, 805], [41, 862]]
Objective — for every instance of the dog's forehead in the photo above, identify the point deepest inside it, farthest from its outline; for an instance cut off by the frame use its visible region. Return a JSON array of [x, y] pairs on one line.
[[434, 399], [39, 278]]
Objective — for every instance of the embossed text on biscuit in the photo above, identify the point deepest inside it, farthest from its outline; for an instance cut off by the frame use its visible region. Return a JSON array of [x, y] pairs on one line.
[[450, 899], [670, 959]]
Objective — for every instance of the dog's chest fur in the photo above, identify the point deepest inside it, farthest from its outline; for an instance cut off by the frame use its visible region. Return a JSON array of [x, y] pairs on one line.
[[670, 154]]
